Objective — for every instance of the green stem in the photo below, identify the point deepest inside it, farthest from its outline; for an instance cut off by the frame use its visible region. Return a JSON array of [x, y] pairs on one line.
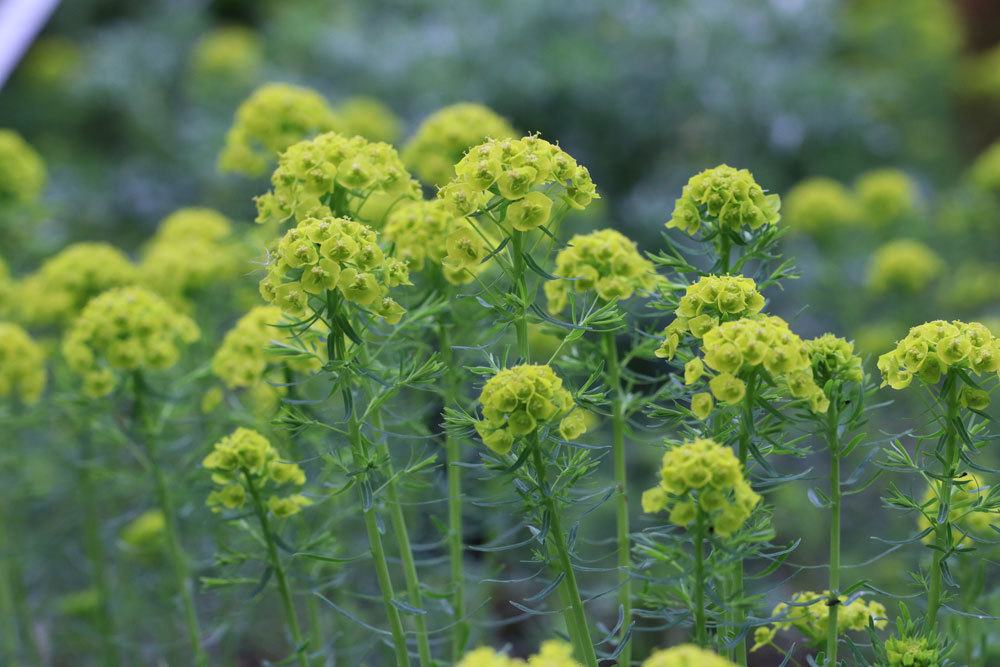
[[621, 482], [94, 548], [833, 443], [360, 454], [10, 649], [521, 286], [576, 617], [746, 433], [178, 561], [944, 485], [725, 246], [700, 627], [291, 618]]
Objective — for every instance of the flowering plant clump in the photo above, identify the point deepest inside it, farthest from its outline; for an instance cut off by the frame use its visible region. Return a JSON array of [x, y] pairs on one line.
[[886, 196], [730, 196], [227, 55], [809, 613], [519, 400], [702, 476], [333, 174], [273, 118], [190, 252], [985, 171], [916, 651], [930, 350], [833, 358], [246, 457], [57, 291], [422, 232], [686, 655], [125, 329], [22, 171], [446, 135], [605, 261], [707, 303], [905, 265], [338, 254], [819, 206], [22, 365], [526, 174], [368, 118]]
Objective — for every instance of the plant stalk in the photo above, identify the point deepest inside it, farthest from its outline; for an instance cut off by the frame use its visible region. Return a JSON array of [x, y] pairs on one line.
[[521, 286], [833, 443], [700, 627]]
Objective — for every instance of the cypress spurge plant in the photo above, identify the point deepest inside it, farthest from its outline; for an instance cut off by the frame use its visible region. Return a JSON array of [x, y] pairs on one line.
[[952, 361], [248, 470], [119, 337]]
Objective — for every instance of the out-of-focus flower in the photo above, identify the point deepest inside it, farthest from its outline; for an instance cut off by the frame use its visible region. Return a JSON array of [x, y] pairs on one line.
[[230, 56], [368, 118], [22, 365], [886, 197], [820, 206], [903, 265], [22, 171]]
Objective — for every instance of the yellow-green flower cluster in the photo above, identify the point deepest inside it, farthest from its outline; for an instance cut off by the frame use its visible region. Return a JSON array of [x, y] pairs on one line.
[[328, 253], [733, 349], [230, 55], [423, 231], [125, 329], [985, 171], [22, 171], [706, 304], [22, 365], [702, 475], [51, 62], [273, 118], [833, 358], [368, 118], [190, 251], [64, 283], [553, 653], [932, 349], [911, 652], [247, 457], [686, 655], [516, 171], [972, 284], [819, 206], [333, 174], [445, 137], [903, 265], [809, 613], [517, 401], [604, 261], [729, 196], [885, 196], [145, 533], [964, 510]]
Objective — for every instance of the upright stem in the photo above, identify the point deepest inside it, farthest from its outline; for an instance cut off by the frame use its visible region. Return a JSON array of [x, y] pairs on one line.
[[934, 594], [360, 454], [10, 649], [178, 561], [576, 617], [725, 246], [746, 431], [453, 457], [833, 444], [291, 618], [521, 286], [621, 482], [700, 628]]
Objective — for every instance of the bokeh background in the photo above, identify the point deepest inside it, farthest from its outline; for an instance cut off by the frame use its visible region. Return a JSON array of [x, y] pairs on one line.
[[896, 103]]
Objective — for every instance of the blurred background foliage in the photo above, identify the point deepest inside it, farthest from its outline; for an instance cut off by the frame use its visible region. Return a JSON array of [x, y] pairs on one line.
[[891, 103]]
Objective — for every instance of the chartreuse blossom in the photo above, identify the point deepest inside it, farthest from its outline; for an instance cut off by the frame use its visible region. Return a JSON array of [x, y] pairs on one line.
[[123, 330], [730, 197], [553, 653], [686, 655], [525, 175], [833, 358], [912, 651], [334, 174], [604, 261], [931, 350], [885, 196], [422, 232], [518, 401], [985, 171], [809, 613], [733, 350], [22, 171], [368, 118], [446, 135], [702, 476], [819, 206], [146, 533], [903, 265], [274, 117], [67, 281], [246, 457], [230, 55], [965, 510], [192, 250], [22, 365], [706, 304], [329, 253]]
